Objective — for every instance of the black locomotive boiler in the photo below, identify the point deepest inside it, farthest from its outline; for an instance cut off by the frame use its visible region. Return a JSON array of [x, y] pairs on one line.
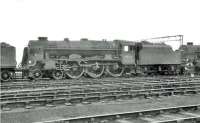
[[58, 59]]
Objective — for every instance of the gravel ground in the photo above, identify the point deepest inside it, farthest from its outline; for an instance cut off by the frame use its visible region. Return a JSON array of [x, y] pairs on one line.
[[50, 113]]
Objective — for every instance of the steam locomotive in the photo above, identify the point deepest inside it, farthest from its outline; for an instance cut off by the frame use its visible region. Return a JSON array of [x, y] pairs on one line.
[[73, 59]]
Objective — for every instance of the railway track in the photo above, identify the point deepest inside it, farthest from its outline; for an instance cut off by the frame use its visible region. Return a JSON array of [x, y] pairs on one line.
[[93, 93], [60, 83], [178, 114]]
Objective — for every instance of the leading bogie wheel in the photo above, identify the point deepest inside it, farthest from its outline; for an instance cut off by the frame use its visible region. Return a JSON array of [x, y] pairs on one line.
[[57, 74], [36, 74]]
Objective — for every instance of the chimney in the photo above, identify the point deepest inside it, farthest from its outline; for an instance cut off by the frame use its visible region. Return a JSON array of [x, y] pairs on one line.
[[190, 43], [66, 39], [84, 39], [42, 38]]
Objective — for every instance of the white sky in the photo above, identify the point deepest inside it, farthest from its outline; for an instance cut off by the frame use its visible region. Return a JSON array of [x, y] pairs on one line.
[[22, 20]]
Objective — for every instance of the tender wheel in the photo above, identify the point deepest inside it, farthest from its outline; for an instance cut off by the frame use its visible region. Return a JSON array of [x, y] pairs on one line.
[[5, 76], [95, 71], [36, 74], [75, 71], [115, 70], [57, 74]]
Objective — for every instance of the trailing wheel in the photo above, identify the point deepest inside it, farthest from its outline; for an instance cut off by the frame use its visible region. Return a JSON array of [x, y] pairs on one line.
[[74, 71], [57, 74], [5, 75], [115, 70], [95, 71]]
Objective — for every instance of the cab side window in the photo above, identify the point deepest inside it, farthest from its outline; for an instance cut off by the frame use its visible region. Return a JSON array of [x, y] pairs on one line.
[[126, 48]]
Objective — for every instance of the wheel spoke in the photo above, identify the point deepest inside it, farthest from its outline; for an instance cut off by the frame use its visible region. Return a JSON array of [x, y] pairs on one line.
[[115, 70], [76, 71], [95, 71]]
